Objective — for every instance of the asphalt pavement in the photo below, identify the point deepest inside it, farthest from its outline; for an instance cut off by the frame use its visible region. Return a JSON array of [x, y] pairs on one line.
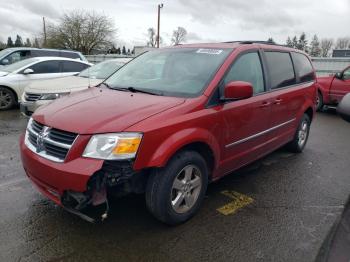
[[293, 202]]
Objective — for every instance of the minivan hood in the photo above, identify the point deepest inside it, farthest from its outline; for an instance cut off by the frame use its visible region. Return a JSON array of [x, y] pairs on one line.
[[61, 85], [102, 110]]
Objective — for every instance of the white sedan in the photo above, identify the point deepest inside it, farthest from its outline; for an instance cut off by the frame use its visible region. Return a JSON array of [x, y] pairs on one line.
[[14, 78], [40, 93]]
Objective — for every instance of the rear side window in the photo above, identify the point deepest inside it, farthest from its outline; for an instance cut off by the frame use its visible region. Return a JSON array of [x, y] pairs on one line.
[[70, 66], [70, 55], [303, 67], [280, 68], [47, 67], [247, 68]]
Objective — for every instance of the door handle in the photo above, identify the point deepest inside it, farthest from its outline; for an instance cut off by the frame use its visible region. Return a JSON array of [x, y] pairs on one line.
[[265, 104], [278, 101]]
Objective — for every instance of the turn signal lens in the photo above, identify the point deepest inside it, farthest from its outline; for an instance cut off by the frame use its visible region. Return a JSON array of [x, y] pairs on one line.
[[127, 146]]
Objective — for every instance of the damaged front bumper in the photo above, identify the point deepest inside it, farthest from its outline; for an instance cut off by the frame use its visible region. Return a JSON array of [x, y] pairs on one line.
[[82, 185]]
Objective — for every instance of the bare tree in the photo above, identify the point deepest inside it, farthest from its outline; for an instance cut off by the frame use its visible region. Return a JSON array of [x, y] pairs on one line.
[[152, 38], [343, 43], [326, 46], [82, 31], [179, 35]]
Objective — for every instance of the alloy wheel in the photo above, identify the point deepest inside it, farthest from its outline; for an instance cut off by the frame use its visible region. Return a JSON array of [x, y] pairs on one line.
[[186, 189]]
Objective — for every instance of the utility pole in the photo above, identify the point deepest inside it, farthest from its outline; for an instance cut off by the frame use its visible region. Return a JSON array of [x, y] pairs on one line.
[[158, 30], [44, 25]]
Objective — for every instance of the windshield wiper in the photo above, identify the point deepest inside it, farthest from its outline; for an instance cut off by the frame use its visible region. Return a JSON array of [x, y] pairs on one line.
[[130, 89], [136, 90]]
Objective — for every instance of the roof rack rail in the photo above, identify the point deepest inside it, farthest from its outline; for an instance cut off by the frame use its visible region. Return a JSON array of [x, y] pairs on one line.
[[247, 42]]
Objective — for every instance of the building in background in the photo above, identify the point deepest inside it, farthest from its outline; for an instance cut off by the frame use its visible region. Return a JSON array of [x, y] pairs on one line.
[[341, 53]]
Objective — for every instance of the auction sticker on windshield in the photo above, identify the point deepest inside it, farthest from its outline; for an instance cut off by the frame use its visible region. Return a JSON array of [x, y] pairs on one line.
[[209, 51]]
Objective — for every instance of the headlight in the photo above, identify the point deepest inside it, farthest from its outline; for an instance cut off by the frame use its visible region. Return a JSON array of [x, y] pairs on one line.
[[113, 146], [52, 96]]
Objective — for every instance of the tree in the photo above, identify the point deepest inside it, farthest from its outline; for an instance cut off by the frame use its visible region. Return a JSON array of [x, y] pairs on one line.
[[270, 40], [315, 49], [295, 42], [128, 53], [326, 46], [179, 36], [289, 42], [28, 43], [152, 39], [9, 42], [82, 31], [2, 45], [36, 43], [18, 42], [302, 43], [343, 43], [124, 50]]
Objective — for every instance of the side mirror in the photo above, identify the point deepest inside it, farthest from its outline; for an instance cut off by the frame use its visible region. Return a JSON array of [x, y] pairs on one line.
[[5, 62], [28, 71], [343, 108], [237, 90], [339, 75]]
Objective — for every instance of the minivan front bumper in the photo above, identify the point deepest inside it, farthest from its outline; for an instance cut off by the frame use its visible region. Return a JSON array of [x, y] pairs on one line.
[[54, 179]]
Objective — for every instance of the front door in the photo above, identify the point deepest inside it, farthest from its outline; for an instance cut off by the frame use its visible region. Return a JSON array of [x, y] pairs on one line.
[[245, 122], [41, 70], [340, 87]]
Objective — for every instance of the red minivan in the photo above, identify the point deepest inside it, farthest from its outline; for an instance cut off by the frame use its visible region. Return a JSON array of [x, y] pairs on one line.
[[168, 123]]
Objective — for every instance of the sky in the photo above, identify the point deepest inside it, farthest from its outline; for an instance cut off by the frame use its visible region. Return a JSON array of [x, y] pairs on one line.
[[204, 20]]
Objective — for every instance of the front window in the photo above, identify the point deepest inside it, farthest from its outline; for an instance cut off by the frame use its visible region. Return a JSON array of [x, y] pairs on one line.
[[181, 72], [101, 70]]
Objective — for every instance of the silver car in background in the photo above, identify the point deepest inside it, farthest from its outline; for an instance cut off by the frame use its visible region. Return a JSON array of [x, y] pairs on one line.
[[40, 93], [15, 77]]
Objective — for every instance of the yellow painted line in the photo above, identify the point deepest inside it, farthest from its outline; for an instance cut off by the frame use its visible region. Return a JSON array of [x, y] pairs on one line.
[[238, 201]]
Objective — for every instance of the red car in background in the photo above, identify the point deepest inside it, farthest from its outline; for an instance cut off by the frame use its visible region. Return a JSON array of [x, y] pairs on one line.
[[331, 89]]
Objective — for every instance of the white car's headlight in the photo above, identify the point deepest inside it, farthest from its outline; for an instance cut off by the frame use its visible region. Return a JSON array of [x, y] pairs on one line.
[[52, 96], [113, 146]]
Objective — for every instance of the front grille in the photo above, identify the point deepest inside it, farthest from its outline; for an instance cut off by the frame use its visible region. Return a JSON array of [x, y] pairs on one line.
[[50, 143], [32, 97]]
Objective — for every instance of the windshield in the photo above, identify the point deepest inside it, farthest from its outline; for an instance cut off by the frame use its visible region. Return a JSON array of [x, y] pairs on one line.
[[14, 67], [181, 72], [101, 70], [5, 52]]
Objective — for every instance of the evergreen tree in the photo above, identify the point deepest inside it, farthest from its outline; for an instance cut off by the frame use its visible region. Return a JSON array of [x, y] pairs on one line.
[[302, 43], [18, 42], [289, 42], [270, 40], [36, 43], [295, 42], [9, 42], [128, 51], [124, 50], [28, 43], [118, 51], [315, 49]]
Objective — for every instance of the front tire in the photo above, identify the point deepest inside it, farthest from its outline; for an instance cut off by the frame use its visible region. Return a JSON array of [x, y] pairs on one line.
[[319, 102], [174, 193], [7, 98], [301, 136]]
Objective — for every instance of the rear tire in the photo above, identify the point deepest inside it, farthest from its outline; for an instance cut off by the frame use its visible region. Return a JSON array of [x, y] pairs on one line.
[[174, 193], [7, 98], [319, 102], [301, 136]]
